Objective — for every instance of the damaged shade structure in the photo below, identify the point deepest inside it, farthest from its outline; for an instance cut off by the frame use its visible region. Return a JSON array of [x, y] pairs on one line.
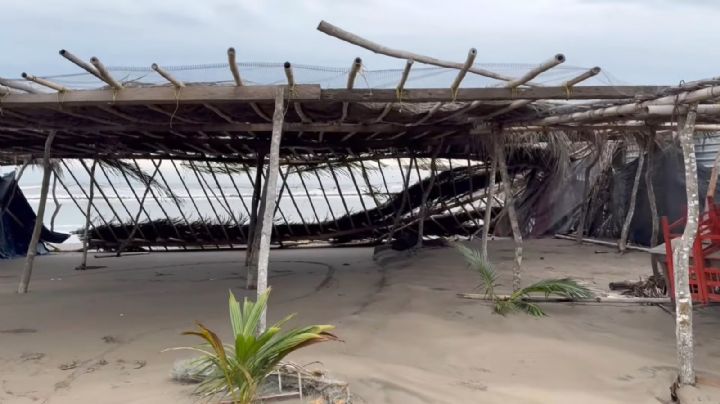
[[511, 144]]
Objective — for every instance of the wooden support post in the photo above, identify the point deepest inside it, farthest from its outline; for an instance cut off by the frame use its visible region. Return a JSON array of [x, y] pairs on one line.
[[88, 212], [489, 196], [461, 74], [43, 82], [37, 229], [633, 199], [269, 194], [681, 255], [104, 73], [56, 203], [167, 76], [510, 206], [252, 245], [649, 168]]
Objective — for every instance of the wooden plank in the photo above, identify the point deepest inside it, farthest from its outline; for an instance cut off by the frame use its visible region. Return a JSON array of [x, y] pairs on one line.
[[161, 95], [201, 94]]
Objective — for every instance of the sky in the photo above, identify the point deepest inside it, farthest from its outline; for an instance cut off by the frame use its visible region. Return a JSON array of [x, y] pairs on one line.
[[634, 41]]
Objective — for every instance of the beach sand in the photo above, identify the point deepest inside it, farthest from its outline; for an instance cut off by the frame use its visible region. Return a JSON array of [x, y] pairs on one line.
[[96, 336]]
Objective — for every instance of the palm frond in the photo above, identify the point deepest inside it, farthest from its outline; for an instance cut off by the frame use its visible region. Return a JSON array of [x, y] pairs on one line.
[[478, 263], [564, 287]]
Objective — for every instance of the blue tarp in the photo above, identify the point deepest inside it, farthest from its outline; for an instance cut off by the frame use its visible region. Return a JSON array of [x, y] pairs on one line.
[[17, 219]]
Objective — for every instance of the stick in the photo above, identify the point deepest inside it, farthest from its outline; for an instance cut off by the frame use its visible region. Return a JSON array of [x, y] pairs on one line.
[[510, 205], [601, 242], [461, 74], [104, 73], [18, 86], [37, 229], [169, 77], [80, 63], [551, 299], [547, 65], [136, 221], [633, 199], [329, 29], [43, 82], [489, 196]]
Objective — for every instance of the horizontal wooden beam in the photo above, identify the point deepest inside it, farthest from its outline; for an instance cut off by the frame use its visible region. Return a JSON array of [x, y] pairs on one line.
[[160, 95], [230, 127], [203, 94], [493, 93]]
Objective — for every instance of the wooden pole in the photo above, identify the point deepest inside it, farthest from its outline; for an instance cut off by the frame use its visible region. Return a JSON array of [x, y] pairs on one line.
[[167, 76], [56, 203], [403, 79], [86, 230], [650, 147], [43, 82], [104, 73], [547, 65], [37, 229], [269, 194], [252, 244], [472, 53], [337, 32], [681, 255], [489, 196], [510, 206], [16, 85], [233, 67], [633, 199]]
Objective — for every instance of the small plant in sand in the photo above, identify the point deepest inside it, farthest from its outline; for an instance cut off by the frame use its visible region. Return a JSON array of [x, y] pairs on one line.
[[236, 371], [517, 301]]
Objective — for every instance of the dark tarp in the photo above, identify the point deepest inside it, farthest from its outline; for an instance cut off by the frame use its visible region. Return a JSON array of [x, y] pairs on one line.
[[551, 203], [17, 219]]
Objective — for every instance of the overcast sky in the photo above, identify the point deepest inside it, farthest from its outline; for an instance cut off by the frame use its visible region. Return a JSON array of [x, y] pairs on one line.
[[637, 41]]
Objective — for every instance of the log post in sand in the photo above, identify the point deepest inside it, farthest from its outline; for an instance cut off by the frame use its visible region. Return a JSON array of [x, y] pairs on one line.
[[37, 229], [88, 212], [681, 255], [510, 206], [268, 202]]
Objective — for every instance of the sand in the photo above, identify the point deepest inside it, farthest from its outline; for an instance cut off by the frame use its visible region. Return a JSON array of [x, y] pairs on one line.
[[97, 336]]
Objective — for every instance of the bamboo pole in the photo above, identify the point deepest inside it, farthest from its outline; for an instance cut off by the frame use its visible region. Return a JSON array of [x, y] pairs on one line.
[[360, 195], [289, 74], [80, 63], [401, 85], [681, 255], [687, 97], [44, 82], [329, 29], [545, 66], [102, 193], [354, 69], [16, 85], [167, 76], [105, 74], [136, 221], [674, 110], [631, 208], [510, 206], [284, 177], [37, 229], [86, 229], [327, 200], [233, 67], [582, 77], [269, 202], [472, 53], [489, 196], [310, 201], [460, 202], [649, 171]]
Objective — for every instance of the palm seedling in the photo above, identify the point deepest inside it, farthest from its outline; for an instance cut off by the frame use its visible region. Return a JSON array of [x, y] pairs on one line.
[[236, 371], [519, 300]]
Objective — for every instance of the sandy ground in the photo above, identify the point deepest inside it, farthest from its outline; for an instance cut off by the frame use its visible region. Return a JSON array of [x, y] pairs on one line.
[[96, 336]]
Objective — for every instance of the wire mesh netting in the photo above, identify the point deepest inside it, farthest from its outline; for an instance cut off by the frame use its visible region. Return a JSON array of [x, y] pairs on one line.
[[265, 73]]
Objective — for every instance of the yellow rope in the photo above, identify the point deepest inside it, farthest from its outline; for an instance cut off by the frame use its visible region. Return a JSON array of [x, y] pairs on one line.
[[568, 92], [177, 104]]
